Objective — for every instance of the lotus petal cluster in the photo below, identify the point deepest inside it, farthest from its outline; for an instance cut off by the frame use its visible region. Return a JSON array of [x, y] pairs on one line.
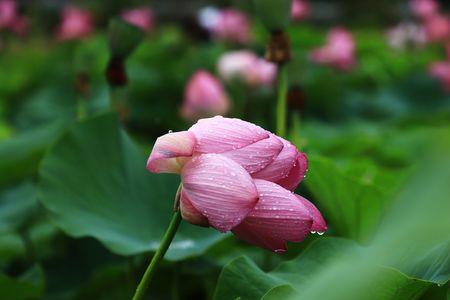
[[239, 177]]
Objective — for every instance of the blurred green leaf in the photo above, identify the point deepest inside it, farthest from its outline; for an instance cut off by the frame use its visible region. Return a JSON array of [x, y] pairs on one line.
[[28, 286], [94, 183], [22, 153]]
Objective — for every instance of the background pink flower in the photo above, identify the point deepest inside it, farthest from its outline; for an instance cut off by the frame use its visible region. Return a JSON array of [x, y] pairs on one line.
[[424, 8], [232, 25], [10, 17], [75, 23], [237, 176], [441, 71], [246, 66], [300, 9], [406, 34], [140, 17], [204, 96], [339, 50], [437, 28]]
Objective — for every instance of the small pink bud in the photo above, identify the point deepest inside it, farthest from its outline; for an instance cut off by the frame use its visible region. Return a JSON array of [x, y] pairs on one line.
[[300, 9], [441, 71], [231, 25], [338, 52], [204, 96], [76, 23], [245, 65], [140, 17], [424, 8]]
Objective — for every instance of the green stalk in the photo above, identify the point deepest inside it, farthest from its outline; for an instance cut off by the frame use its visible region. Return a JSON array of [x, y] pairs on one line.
[[159, 255], [281, 102]]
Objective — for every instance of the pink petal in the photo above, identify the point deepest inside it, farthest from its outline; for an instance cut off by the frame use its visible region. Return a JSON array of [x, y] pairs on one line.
[[319, 224], [281, 165], [256, 156], [296, 174], [190, 213], [278, 217], [220, 189], [219, 134], [169, 153]]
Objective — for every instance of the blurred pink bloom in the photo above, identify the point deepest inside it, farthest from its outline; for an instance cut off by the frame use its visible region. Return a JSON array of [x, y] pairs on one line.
[[140, 17], [441, 71], [406, 34], [338, 52], [76, 23], [10, 18], [239, 177], [300, 9], [437, 28], [424, 8], [204, 96], [245, 65], [231, 25]]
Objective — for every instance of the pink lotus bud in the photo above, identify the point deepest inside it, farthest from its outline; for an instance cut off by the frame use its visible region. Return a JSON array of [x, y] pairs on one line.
[[204, 96], [76, 23], [441, 71], [8, 13], [424, 8], [239, 177], [10, 18], [245, 65], [406, 34], [231, 25], [300, 9], [140, 17], [437, 28], [338, 52]]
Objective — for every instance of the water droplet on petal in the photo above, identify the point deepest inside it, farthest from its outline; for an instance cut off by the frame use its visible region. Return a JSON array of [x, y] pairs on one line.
[[313, 232], [320, 232]]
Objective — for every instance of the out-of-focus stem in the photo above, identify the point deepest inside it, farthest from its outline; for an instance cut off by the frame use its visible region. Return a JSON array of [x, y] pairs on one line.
[[281, 101]]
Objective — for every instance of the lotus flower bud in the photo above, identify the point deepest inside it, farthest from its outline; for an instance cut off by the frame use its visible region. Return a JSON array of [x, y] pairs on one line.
[[76, 23], [300, 9], [204, 96], [140, 17], [424, 8], [338, 52], [239, 177], [245, 65]]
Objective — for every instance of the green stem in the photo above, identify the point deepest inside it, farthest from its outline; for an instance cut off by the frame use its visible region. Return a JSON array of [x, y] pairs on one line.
[[157, 258], [281, 102]]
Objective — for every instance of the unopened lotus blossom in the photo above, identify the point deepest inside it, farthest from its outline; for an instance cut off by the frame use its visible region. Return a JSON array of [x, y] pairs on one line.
[[300, 9], [76, 23], [437, 28], [406, 34], [339, 50], [140, 17], [247, 66], [229, 24], [239, 177], [424, 8], [441, 71], [10, 18], [204, 96]]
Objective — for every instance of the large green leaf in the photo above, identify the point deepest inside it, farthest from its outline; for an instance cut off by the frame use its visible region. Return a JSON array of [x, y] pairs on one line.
[[94, 183], [353, 205]]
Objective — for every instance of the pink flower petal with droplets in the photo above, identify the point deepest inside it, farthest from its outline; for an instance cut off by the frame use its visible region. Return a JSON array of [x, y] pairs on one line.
[[169, 150], [220, 189], [281, 165], [296, 174], [219, 134], [256, 156], [278, 217], [190, 213], [319, 224]]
